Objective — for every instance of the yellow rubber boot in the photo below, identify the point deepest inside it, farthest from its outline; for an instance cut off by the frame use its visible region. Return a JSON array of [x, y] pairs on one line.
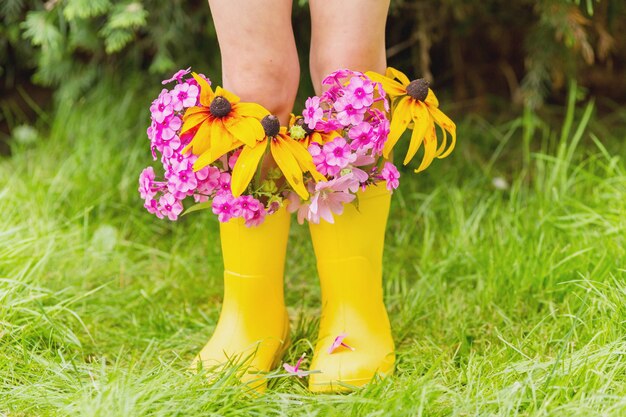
[[349, 262], [253, 327]]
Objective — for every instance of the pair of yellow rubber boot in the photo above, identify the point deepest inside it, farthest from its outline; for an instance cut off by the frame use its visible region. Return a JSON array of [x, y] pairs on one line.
[[253, 328]]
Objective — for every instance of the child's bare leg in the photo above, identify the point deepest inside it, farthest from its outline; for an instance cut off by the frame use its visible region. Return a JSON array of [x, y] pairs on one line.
[[260, 64], [351, 34], [347, 34], [259, 57]]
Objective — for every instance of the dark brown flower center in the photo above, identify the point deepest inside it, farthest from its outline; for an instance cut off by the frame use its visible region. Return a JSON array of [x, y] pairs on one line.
[[307, 129], [271, 125], [418, 89], [220, 107]]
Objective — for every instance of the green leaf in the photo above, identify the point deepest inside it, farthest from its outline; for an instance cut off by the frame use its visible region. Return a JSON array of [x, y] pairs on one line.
[[198, 207], [127, 16], [39, 28], [161, 63], [117, 39], [82, 35], [85, 8]]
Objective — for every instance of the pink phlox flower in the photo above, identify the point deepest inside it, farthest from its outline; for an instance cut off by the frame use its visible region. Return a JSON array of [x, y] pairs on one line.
[[330, 197], [341, 74], [256, 218], [382, 95], [299, 206], [337, 153], [178, 75], [360, 175], [361, 92], [224, 183], [312, 112], [225, 206], [170, 206], [169, 127], [339, 342], [343, 184], [210, 176], [153, 207], [155, 148], [152, 130], [233, 159], [171, 147], [328, 125], [346, 113], [146, 179], [295, 370], [184, 95], [363, 159], [162, 107], [362, 136], [273, 207], [332, 94], [208, 180], [319, 158], [180, 163], [252, 210], [390, 174], [182, 181], [325, 204], [381, 133], [202, 174]]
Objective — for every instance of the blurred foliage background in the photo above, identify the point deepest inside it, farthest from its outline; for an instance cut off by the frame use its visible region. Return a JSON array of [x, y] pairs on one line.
[[489, 56]]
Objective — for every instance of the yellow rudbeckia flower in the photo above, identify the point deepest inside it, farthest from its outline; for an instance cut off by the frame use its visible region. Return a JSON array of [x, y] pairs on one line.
[[223, 123], [413, 102], [291, 157]]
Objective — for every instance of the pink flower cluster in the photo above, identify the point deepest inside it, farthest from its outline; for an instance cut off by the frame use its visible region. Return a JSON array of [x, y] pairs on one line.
[[164, 198], [356, 109]]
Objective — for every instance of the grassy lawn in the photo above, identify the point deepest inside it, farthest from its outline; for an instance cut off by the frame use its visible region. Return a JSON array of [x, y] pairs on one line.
[[505, 299]]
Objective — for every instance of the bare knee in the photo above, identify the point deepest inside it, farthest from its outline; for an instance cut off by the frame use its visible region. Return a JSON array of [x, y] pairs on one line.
[[273, 83], [364, 57]]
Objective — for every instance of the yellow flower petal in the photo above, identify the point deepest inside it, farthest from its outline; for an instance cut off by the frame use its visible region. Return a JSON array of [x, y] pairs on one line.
[[446, 123], [431, 99], [391, 87], [399, 121], [304, 158], [195, 109], [394, 73], [251, 110], [221, 142], [246, 166], [289, 166], [206, 93], [201, 140], [231, 97], [444, 143], [192, 120], [246, 129], [430, 147], [422, 120]]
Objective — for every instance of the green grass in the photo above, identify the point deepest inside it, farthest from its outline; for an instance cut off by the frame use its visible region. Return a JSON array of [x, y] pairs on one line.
[[502, 301]]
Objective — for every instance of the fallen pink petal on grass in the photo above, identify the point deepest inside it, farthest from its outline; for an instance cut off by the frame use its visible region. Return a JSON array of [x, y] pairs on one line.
[[295, 370], [339, 342]]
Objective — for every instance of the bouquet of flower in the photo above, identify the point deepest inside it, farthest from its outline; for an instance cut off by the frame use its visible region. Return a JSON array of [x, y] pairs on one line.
[[345, 129], [210, 145], [236, 159]]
